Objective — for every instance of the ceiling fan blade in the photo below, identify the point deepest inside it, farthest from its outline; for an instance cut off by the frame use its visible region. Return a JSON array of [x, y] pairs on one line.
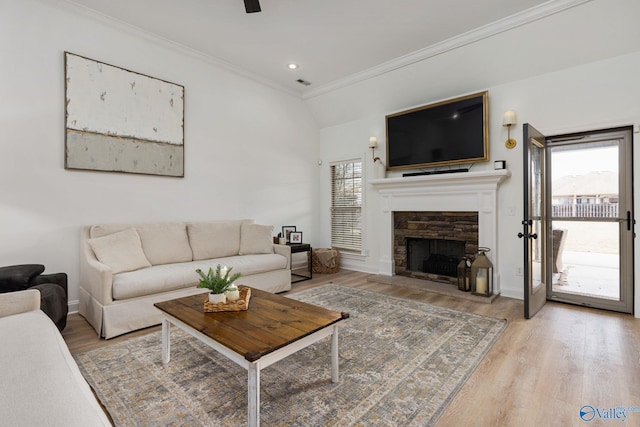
[[252, 6]]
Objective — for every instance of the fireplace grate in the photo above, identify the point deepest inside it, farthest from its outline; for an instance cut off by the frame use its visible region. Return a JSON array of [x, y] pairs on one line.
[[441, 264]]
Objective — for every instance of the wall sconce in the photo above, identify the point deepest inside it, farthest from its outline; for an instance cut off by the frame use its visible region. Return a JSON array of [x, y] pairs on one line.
[[379, 169], [509, 120], [373, 144]]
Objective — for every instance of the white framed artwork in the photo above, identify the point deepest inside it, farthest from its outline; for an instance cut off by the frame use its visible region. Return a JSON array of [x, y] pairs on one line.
[[121, 121]]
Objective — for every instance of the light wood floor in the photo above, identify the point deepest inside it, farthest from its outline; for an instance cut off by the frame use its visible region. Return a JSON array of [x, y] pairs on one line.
[[539, 373]]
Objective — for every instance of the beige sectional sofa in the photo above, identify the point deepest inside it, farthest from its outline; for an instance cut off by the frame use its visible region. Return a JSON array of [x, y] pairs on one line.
[[126, 268], [41, 382]]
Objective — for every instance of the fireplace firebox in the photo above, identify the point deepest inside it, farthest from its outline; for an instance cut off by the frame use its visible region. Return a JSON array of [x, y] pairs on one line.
[[435, 256], [429, 245]]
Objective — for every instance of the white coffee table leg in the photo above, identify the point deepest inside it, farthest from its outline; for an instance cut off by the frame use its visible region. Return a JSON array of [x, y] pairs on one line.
[[335, 377], [254, 395], [166, 341]]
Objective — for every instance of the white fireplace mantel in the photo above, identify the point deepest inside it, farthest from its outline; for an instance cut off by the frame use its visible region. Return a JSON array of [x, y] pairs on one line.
[[455, 192]]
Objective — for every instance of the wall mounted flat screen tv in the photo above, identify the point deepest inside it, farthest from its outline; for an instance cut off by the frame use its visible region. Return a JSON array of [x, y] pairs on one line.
[[445, 133]]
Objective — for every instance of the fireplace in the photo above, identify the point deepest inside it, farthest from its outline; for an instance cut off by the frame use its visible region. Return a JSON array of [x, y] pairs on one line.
[[429, 245], [475, 192]]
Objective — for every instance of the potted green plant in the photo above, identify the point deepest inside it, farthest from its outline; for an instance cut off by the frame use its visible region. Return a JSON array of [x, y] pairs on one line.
[[217, 282]]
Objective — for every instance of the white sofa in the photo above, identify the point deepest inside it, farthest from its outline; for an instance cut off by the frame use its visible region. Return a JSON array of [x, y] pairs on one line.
[[41, 382], [126, 268]]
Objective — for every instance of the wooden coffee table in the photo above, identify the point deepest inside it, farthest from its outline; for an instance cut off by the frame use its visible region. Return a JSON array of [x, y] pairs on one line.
[[273, 328]]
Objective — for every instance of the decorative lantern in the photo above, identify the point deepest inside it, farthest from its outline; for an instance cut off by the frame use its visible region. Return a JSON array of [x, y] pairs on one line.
[[464, 274], [482, 274]]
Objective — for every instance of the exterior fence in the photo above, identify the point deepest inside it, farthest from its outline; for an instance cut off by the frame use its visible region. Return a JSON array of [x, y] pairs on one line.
[[586, 210]]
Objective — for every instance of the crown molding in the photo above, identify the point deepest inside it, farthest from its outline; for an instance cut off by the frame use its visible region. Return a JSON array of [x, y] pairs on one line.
[[519, 19], [162, 41]]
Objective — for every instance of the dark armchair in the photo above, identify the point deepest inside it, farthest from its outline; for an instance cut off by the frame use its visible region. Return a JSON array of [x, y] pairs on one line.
[[52, 287]]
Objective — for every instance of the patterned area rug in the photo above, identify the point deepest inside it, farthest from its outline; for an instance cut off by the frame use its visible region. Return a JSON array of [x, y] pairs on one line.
[[401, 363]]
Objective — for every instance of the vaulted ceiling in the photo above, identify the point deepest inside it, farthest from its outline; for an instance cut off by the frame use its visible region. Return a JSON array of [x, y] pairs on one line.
[[332, 41]]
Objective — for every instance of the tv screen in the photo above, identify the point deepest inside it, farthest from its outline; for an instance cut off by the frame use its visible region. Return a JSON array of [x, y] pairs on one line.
[[446, 133]]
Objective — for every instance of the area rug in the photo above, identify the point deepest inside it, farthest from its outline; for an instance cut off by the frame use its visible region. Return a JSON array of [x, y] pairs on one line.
[[401, 363]]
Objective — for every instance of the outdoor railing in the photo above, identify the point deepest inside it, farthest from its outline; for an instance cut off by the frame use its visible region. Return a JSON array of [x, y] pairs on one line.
[[585, 211]]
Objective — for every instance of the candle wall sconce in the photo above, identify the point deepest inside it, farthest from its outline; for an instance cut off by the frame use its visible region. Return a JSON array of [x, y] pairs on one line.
[[508, 120], [380, 169], [373, 144]]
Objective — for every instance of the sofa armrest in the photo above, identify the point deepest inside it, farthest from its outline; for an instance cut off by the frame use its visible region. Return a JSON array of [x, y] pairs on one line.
[[285, 251], [18, 277], [19, 302], [95, 277], [59, 279]]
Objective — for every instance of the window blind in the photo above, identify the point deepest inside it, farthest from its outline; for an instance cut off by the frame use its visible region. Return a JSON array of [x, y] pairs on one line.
[[346, 206]]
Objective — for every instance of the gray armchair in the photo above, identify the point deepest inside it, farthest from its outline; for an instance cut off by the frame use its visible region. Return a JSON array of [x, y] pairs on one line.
[[52, 287]]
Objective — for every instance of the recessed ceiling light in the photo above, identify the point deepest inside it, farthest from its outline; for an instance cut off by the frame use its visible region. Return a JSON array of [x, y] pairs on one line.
[[293, 66]]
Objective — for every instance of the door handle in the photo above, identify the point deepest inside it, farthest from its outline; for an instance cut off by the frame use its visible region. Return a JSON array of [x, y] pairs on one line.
[[528, 236], [527, 222]]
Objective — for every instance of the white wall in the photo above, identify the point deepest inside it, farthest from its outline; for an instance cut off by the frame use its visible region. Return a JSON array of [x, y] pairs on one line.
[[250, 151], [526, 69]]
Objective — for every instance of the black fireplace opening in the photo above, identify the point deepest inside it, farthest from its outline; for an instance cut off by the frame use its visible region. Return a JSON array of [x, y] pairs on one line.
[[434, 256]]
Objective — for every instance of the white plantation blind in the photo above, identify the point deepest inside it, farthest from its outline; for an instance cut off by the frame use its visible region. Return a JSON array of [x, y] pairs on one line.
[[346, 206]]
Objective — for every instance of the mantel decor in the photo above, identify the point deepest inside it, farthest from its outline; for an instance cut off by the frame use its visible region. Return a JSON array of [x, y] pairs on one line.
[[121, 121]]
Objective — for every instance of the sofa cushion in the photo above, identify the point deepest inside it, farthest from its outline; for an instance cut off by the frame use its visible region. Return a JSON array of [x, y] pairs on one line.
[[154, 280], [256, 239], [214, 239], [164, 243], [41, 382], [167, 277], [248, 265], [106, 229], [121, 251]]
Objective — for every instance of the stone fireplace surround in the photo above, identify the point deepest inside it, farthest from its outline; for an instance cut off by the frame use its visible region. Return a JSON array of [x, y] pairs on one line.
[[456, 192]]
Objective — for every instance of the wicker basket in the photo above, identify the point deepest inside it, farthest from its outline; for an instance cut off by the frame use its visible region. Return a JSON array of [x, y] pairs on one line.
[[240, 304], [325, 261]]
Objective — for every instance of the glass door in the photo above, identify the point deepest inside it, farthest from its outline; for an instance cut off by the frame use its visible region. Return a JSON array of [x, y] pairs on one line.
[[534, 222], [590, 240]]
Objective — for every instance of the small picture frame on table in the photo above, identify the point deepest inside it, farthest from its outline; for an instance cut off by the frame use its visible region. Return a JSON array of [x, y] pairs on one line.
[[295, 237], [287, 230]]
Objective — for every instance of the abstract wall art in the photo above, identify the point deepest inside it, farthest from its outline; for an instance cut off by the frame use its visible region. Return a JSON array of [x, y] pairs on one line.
[[121, 121]]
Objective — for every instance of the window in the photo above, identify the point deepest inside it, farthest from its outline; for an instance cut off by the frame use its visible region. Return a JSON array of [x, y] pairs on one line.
[[346, 206]]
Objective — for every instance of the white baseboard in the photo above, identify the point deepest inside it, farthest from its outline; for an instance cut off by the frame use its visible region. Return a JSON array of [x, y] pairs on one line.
[[73, 306]]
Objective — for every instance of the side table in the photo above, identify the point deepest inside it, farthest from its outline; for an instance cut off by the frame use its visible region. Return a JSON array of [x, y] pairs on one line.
[[295, 274]]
